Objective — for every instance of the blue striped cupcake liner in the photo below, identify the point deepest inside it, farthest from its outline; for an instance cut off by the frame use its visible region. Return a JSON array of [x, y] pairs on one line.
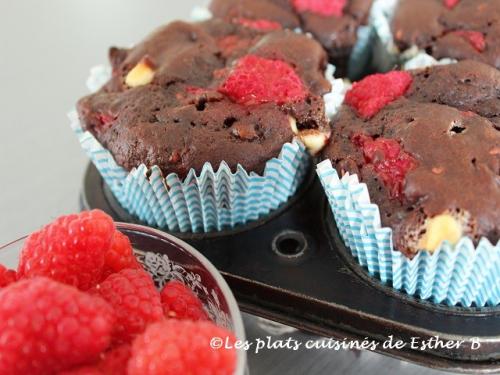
[[386, 54], [453, 275], [211, 201]]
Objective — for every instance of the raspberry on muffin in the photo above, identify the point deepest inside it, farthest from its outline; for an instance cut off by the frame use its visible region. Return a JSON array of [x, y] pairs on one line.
[[334, 23], [429, 156], [373, 93]]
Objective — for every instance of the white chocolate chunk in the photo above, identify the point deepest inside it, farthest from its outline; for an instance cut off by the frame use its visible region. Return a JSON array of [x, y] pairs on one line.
[[140, 75], [293, 125], [314, 140], [438, 229]]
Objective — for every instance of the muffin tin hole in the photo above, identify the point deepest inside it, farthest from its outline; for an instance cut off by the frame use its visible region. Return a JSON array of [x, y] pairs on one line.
[[289, 244]]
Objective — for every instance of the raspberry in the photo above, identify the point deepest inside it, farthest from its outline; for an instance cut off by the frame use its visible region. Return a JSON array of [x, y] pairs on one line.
[[46, 327], [7, 276], [113, 362], [86, 370], [179, 302], [450, 4], [374, 92], [70, 250], [258, 80], [260, 24], [195, 90], [182, 347], [232, 43], [120, 256], [467, 113], [322, 7], [389, 161], [475, 38], [135, 300], [105, 119]]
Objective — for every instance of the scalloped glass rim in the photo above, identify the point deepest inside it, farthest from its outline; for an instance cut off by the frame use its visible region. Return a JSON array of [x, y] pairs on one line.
[[9, 254]]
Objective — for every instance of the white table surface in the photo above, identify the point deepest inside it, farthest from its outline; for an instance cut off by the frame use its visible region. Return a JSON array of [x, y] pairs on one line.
[[46, 50]]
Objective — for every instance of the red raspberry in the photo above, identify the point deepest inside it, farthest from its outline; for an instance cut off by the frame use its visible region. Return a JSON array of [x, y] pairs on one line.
[[450, 4], [7, 276], [120, 256], [389, 161], [322, 7], [86, 370], [105, 119], [182, 347], [475, 38], [260, 24], [232, 44], [257, 80], [195, 90], [46, 326], [70, 250], [374, 92], [179, 302], [113, 362], [467, 113], [116, 360], [135, 300]]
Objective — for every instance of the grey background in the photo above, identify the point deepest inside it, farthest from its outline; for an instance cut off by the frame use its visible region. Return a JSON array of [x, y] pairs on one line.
[[46, 50]]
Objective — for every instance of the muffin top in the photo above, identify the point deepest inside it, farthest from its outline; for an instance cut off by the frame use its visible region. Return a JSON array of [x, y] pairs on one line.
[[333, 23], [459, 29], [427, 144], [209, 92]]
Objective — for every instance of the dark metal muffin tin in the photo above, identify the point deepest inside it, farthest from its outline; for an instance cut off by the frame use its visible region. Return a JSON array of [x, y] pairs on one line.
[[292, 267]]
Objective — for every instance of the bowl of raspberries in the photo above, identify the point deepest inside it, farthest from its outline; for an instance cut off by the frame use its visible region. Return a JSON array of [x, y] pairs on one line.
[[87, 296]]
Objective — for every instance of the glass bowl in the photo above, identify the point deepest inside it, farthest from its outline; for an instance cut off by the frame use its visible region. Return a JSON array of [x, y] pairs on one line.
[[168, 258]]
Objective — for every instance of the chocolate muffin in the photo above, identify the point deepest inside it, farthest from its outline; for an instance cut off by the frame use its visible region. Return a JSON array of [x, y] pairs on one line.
[[210, 92], [458, 29], [334, 23], [427, 144]]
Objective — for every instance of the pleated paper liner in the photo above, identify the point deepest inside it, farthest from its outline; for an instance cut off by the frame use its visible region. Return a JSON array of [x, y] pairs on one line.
[[211, 201], [453, 275]]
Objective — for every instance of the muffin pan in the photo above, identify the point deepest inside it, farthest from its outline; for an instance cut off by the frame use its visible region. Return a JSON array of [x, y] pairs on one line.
[[292, 267]]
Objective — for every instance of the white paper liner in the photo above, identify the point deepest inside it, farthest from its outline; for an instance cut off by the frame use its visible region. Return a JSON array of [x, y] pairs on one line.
[[453, 275], [335, 98], [421, 59], [200, 13]]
